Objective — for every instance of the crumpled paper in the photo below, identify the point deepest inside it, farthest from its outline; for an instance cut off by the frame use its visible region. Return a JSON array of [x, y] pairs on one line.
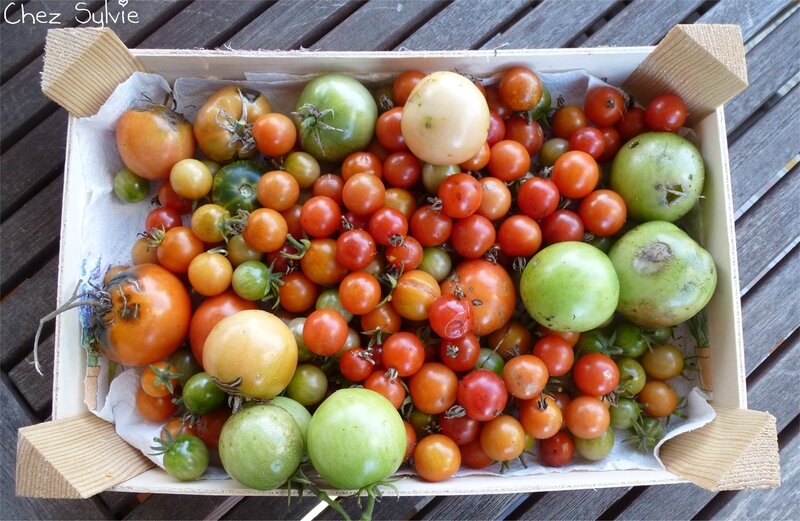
[[107, 241]]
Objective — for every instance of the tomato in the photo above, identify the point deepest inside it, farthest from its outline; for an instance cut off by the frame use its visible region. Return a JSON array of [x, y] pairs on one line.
[[551, 150], [451, 317], [176, 427], [520, 88], [277, 190], [663, 361], [185, 457], [446, 119], [478, 161], [589, 140], [210, 273], [261, 446], [472, 455], [160, 379], [576, 174], [235, 186], [567, 120], [569, 336], [503, 438], [129, 187], [363, 194], [541, 417], [402, 169], [525, 376], [303, 167], [436, 262], [223, 126], [190, 178], [508, 160], [604, 105], [497, 125], [587, 417], [151, 138], [496, 198], [255, 346], [603, 212], [320, 265], [512, 339], [383, 317], [519, 235], [632, 124], [308, 385], [411, 441], [473, 236], [152, 408], [320, 216], [528, 133], [177, 248], [404, 84], [209, 313], [274, 134], [406, 256], [570, 286], [624, 413], [162, 218], [209, 427], [356, 364], [147, 317], [266, 230], [460, 429], [325, 332], [556, 353], [436, 458], [562, 226], [461, 195], [360, 293], [390, 388], [659, 398], [356, 438], [414, 295], [496, 105], [665, 113], [460, 354], [612, 142], [597, 448], [557, 450], [167, 197], [355, 249], [208, 222], [431, 227], [335, 115], [482, 394], [489, 289], [387, 225], [388, 130], [201, 395], [490, 360], [632, 377], [595, 374], [433, 387], [537, 197], [297, 293]]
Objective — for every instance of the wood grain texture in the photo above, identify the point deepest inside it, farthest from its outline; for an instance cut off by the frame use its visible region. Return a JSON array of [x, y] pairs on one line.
[[395, 19], [168, 506], [759, 157], [768, 68], [641, 23], [259, 507], [389, 507], [15, 416], [569, 504], [750, 15], [485, 20], [291, 24], [472, 507], [552, 23], [768, 231], [37, 389]]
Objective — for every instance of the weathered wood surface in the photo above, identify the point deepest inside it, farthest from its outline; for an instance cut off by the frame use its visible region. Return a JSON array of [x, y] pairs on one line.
[[763, 139]]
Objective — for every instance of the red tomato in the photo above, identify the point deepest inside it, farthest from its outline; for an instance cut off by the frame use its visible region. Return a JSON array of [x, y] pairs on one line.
[[537, 197], [589, 140], [525, 376], [541, 417], [557, 450], [595, 374], [556, 353], [433, 388], [482, 394], [587, 417], [490, 290], [460, 429], [461, 195], [632, 124], [561, 226], [576, 174], [665, 113], [451, 317], [604, 106], [519, 235], [460, 354], [324, 332], [404, 352], [603, 212]]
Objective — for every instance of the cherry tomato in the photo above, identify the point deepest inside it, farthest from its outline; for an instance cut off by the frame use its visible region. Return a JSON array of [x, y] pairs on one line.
[[478, 161], [556, 353], [360, 293], [587, 417], [473, 456], [436, 458], [402, 169], [665, 113], [266, 230], [210, 273], [320, 216], [363, 194], [561, 226], [520, 88], [557, 450], [355, 249], [154, 409], [362, 162], [659, 397], [356, 364], [411, 440], [541, 417], [275, 134], [497, 106], [169, 198], [519, 235], [329, 185], [383, 318], [388, 130], [663, 361], [461, 195], [431, 227], [603, 212], [159, 380], [537, 197], [325, 332], [512, 339], [632, 124], [508, 160], [589, 140], [612, 143], [387, 225], [404, 84], [604, 106], [460, 354], [320, 265], [496, 199], [503, 438], [567, 120], [576, 174], [497, 125], [177, 249], [595, 374], [451, 317], [414, 295], [162, 218], [209, 313], [433, 388], [406, 256], [525, 376], [460, 429], [490, 290], [482, 394], [472, 236], [297, 293], [209, 427], [528, 133], [390, 388]]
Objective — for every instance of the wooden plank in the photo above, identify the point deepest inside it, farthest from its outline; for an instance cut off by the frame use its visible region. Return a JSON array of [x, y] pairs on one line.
[[395, 19], [569, 504], [780, 503], [30, 235], [750, 15], [291, 24], [485, 20], [768, 231], [22, 308], [387, 508], [260, 507], [551, 24], [202, 24], [771, 310], [495, 506], [37, 389], [769, 66], [23, 105], [641, 22], [759, 157], [13, 507], [168, 506], [32, 162]]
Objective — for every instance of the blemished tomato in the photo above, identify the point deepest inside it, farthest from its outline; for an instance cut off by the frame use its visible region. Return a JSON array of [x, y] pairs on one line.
[[557, 450], [460, 354], [209, 313], [665, 113], [576, 174], [482, 394], [604, 106], [489, 289], [541, 417], [154, 409], [151, 139], [520, 88], [525, 376], [255, 346], [451, 317], [595, 374], [414, 295], [275, 134], [223, 126], [436, 458], [406, 256], [147, 318], [586, 417], [496, 199], [603, 212], [433, 388], [325, 332], [387, 225], [503, 438]]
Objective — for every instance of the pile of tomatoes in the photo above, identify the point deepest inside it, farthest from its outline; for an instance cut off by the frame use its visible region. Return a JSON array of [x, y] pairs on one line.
[[387, 271]]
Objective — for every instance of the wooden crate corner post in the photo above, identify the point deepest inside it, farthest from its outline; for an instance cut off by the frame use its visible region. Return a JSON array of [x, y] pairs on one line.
[[83, 66], [703, 64]]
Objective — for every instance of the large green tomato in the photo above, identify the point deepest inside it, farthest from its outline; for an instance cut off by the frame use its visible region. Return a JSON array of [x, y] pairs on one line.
[[665, 277], [659, 175], [570, 286], [261, 446], [234, 186], [356, 438], [335, 115]]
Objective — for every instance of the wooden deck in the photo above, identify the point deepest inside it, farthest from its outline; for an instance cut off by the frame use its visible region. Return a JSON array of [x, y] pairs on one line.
[[764, 141]]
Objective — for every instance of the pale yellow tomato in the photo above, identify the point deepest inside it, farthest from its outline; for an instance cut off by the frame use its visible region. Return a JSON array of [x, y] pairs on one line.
[[446, 119], [191, 178]]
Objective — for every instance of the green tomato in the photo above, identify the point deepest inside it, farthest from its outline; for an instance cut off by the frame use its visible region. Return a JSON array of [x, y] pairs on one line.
[[234, 186], [595, 449], [436, 262], [665, 277], [261, 446], [250, 280], [187, 458], [659, 175], [593, 341], [296, 326], [356, 438], [631, 376], [491, 360], [185, 364], [297, 410], [329, 299], [551, 150], [201, 395], [129, 187], [541, 109], [628, 337], [308, 385], [433, 175], [570, 286], [335, 115], [624, 413]]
